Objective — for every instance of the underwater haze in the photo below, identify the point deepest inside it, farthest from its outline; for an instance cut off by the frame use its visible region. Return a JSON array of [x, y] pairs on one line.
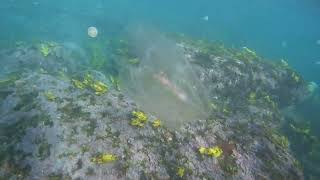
[[277, 29], [122, 89]]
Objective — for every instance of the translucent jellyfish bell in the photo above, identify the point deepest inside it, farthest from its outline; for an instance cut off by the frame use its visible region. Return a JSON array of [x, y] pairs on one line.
[[92, 32]]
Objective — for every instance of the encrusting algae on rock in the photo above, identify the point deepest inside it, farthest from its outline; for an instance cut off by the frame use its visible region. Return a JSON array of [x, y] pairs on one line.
[[139, 118], [115, 82], [215, 151], [78, 84], [47, 48], [181, 172], [88, 82], [156, 123], [99, 87], [104, 158], [50, 96], [252, 98], [203, 150]]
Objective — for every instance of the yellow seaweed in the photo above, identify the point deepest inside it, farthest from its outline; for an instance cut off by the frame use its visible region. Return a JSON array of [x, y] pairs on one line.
[[104, 158], [45, 49], [156, 123], [50, 96], [78, 84], [203, 150], [99, 87], [181, 171], [215, 151], [139, 118]]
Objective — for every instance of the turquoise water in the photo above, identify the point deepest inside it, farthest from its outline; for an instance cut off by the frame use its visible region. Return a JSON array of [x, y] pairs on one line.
[[274, 29]]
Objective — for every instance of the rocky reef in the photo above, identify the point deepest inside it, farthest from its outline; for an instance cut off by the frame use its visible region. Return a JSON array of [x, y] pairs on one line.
[[61, 119]]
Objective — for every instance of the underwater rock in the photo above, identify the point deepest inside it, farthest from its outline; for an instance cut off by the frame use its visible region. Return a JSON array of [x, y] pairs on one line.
[[79, 134]]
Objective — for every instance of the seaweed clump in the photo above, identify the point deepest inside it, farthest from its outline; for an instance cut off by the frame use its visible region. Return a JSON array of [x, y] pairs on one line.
[[47, 48], [156, 123], [104, 158], [139, 118], [50, 96], [215, 151], [181, 171], [97, 86]]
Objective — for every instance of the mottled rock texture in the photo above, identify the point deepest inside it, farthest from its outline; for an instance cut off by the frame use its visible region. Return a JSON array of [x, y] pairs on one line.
[[57, 137]]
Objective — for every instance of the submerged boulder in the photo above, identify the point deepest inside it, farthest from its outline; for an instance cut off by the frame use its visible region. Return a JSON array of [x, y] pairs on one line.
[[52, 128]]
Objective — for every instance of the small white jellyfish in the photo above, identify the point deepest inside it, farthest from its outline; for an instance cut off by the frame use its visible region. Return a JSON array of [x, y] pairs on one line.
[[92, 32], [205, 18], [284, 44], [318, 42]]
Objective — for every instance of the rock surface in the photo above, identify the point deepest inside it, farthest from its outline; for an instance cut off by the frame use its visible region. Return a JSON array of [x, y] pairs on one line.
[[49, 128]]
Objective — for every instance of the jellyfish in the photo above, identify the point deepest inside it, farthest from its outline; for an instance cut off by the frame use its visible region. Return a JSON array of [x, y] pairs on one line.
[[92, 32], [162, 78]]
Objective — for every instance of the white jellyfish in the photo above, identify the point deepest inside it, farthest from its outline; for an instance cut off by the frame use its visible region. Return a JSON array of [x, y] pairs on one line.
[[205, 18], [92, 32]]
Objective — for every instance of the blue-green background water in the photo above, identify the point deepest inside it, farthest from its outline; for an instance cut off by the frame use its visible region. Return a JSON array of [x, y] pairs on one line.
[[276, 29]]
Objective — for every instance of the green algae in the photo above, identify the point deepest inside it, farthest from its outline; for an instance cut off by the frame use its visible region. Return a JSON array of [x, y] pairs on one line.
[[139, 118], [88, 82], [47, 48], [90, 127], [280, 140], [55, 177], [85, 148], [98, 59], [8, 80], [43, 150], [247, 55], [115, 82], [72, 112], [26, 102], [12, 134], [50, 96], [104, 158], [228, 165], [252, 98], [68, 154]]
